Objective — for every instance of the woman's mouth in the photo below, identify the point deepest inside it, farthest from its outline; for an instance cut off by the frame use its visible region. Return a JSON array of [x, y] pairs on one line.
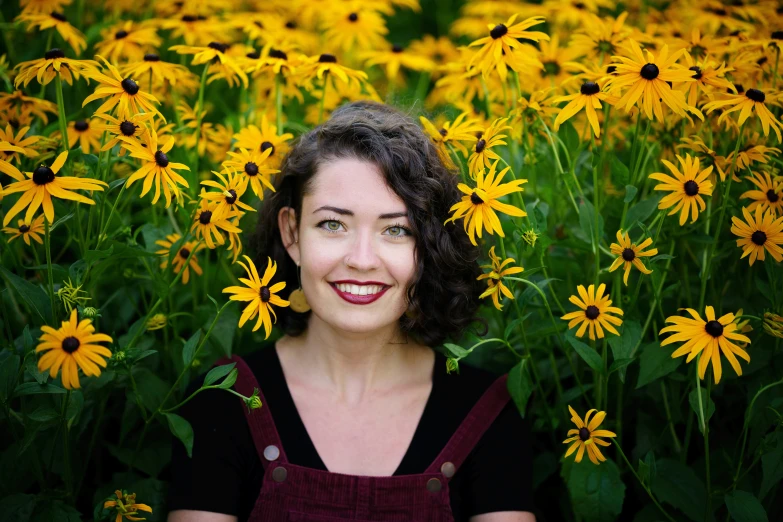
[[359, 294]]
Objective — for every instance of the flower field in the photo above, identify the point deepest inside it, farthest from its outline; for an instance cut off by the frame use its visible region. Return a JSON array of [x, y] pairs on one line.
[[620, 170]]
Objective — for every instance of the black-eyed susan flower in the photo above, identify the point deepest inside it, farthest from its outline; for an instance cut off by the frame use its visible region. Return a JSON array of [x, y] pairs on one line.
[[43, 6], [629, 253], [453, 133], [748, 102], [686, 188], [55, 20], [85, 134], [129, 127], [495, 278], [768, 193], [588, 98], [743, 326], [181, 256], [42, 184], [234, 241], [6, 167], [599, 38], [259, 295], [709, 77], [260, 139], [18, 139], [481, 154], [479, 205], [595, 312], [156, 166], [648, 79], [45, 69], [502, 49], [22, 105], [395, 58], [231, 188], [151, 66], [214, 52], [27, 230], [71, 347], [759, 232], [208, 225], [124, 93], [586, 437], [350, 26], [755, 150], [708, 338], [126, 507], [252, 166], [323, 64], [127, 41]]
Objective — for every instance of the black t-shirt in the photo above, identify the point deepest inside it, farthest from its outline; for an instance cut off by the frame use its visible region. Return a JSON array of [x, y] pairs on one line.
[[225, 474]]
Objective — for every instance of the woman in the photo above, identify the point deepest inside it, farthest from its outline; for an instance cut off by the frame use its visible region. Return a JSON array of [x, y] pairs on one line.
[[360, 420]]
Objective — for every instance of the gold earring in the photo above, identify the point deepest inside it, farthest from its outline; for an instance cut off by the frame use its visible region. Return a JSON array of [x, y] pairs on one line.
[[297, 300]]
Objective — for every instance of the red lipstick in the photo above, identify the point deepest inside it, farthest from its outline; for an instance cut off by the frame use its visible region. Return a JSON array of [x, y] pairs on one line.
[[358, 299]]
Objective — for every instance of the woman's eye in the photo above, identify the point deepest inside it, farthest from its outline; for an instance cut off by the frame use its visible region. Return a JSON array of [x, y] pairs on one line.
[[398, 231], [331, 225]]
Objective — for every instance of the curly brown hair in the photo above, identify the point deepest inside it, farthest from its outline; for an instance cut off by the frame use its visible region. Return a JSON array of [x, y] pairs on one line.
[[445, 300]]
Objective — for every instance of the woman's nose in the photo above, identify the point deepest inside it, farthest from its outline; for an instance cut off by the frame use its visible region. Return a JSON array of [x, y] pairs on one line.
[[362, 254]]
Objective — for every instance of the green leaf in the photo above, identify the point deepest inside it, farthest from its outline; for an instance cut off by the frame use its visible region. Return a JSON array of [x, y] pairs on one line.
[[217, 306], [55, 511], [75, 405], [229, 381], [570, 138], [190, 348], [587, 221], [620, 171], [619, 365], [660, 257], [61, 220], [622, 345], [630, 193], [707, 405], [225, 329], [18, 507], [9, 369], [587, 354], [33, 388], [642, 210], [655, 362], [744, 507], [44, 414], [520, 385], [218, 373], [678, 485], [33, 295], [772, 468], [597, 492], [644, 472], [181, 429], [456, 350]]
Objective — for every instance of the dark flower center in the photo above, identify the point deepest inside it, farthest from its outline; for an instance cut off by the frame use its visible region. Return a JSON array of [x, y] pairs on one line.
[[777, 35], [755, 95], [443, 132], [761, 61], [327, 58], [81, 125], [127, 128], [254, 55], [258, 24], [119, 35], [611, 69], [739, 87], [218, 46], [290, 25], [714, 328], [475, 199], [584, 434], [719, 12], [205, 217], [772, 196], [151, 57], [551, 69], [58, 16], [697, 70], [498, 31], [232, 198], [353, 17], [70, 344], [24, 229], [251, 169], [188, 18], [161, 159], [629, 254], [480, 144], [43, 175], [267, 145], [51, 54], [265, 294], [396, 48], [579, 5], [650, 71], [592, 312], [275, 53], [184, 253], [691, 188], [759, 237], [129, 86], [589, 88]]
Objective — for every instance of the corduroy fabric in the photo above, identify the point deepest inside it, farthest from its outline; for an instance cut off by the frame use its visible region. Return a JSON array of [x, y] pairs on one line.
[[310, 495]]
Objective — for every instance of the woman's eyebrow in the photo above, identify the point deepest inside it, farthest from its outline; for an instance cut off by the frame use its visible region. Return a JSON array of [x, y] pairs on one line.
[[346, 212]]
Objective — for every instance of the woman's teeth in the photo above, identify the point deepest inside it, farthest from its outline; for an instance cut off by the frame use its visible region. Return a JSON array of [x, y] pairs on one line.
[[359, 289]]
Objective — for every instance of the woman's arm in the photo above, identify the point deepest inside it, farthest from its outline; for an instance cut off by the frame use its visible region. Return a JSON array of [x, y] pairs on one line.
[[187, 515], [504, 516]]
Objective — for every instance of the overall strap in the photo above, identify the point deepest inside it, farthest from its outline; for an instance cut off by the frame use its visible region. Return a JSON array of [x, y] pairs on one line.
[[262, 426], [479, 419]]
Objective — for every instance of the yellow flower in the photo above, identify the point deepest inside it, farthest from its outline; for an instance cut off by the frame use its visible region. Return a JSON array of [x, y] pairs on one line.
[[54, 61], [214, 51], [23, 106], [27, 230], [595, 310], [482, 152], [155, 166], [227, 199], [261, 297], [349, 26], [495, 278], [126, 506], [758, 234], [686, 188], [747, 102], [588, 98], [44, 183], [85, 134], [316, 67], [502, 49], [478, 206], [208, 225], [600, 38], [129, 127], [152, 66], [43, 6], [586, 436], [629, 253], [181, 256], [254, 139], [69, 33], [769, 193], [127, 40], [452, 133], [708, 77], [19, 141], [252, 166], [71, 347], [124, 93], [708, 338], [395, 58]]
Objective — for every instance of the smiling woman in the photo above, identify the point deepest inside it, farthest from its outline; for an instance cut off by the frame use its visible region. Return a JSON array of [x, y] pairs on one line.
[[359, 418]]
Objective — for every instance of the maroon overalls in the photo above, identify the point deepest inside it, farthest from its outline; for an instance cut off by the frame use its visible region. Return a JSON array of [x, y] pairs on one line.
[[294, 493]]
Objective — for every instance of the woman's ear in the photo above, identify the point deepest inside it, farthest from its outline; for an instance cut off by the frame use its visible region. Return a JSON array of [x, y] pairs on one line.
[[289, 232]]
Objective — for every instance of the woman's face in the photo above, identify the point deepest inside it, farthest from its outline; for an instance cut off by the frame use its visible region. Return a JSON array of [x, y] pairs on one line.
[[352, 227]]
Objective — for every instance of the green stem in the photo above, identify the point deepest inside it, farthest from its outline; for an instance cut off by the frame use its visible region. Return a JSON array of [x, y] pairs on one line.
[[645, 486], [558, 164], [596, 239], [47, 244], [61, 112], [199, 115], [708, 475], [323, 100], [669, 421], [68, 478], [279, 103], [487, 103]]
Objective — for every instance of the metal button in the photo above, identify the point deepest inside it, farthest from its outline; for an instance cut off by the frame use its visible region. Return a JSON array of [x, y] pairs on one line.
[[271, 453], [448, 469], [279, 474], [433, 485]]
